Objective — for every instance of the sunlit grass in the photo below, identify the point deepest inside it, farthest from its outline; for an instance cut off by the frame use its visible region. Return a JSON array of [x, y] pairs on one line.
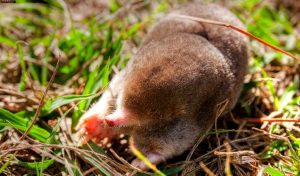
[[34, 36]]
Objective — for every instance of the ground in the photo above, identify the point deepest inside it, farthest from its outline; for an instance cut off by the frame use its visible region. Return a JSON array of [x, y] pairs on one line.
[[56, 57]]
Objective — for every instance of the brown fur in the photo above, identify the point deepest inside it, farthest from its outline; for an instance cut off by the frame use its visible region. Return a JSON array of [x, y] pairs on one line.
[[181, 72]]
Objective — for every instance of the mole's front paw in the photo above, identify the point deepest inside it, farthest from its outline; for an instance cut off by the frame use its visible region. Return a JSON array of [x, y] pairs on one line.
[[93, 128]]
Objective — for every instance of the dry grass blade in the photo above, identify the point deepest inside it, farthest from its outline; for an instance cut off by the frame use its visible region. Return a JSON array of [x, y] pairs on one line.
[[88, 36], [261, 120], [206, 169], [239, 30], [17, 94]]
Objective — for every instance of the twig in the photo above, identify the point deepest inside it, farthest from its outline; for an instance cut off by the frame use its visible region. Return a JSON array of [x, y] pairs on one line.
[[90, 170], [238, 153], [38, 111], [237, 29], [227, 161]]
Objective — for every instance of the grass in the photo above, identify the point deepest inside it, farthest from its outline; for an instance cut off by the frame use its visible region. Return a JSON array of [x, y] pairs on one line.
[[90, 46]]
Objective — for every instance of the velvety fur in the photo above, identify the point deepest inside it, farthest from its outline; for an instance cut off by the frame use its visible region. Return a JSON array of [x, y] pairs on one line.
[[181, 73]]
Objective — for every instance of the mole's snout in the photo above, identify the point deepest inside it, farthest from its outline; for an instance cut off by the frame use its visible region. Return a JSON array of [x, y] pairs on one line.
[[117, 118], [110, 122], [120, 118]]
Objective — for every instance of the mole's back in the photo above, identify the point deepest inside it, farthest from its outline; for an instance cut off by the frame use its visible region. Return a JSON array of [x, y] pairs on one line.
[[230, 43]]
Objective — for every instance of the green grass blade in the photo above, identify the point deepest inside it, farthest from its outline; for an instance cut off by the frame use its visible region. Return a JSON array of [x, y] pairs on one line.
[[273, 171], [51, 105], [7, 41], [287, 96], [4, 166], [9, 119], [36, 165], [132, 30], [148, 163], [45, 74], [271, 87], [23, 83]]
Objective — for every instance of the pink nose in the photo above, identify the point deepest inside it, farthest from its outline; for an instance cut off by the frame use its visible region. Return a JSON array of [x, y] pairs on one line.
[[110, 122]]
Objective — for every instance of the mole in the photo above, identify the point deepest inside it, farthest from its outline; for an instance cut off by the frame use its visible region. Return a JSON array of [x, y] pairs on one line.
[[171, 90]]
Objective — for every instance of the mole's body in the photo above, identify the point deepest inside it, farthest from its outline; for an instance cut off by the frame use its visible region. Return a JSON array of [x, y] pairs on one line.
[[171, 89]]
